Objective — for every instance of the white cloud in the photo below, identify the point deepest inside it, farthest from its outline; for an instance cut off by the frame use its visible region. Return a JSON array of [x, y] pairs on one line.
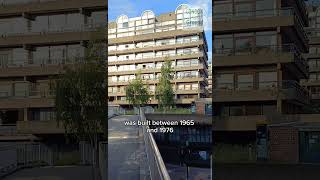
[[206, 5], [120, 7]]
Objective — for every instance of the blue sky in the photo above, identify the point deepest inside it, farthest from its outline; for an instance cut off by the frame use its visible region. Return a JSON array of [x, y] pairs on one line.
[[134, 8]]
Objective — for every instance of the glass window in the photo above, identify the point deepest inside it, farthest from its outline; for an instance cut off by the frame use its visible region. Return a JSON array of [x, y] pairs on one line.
[[236, 111], [244, 45], [222, 9], [266, 38], [269, 109], [224, 81], [243, 9], [265, 7], [245, 81], [253, 110], [223, 41], [267, 79]]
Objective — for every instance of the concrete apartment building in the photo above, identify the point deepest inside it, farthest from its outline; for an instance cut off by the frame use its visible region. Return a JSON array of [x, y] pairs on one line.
[[260, 64], [142, 44], [37, 39], [313, 57], [258, 60]]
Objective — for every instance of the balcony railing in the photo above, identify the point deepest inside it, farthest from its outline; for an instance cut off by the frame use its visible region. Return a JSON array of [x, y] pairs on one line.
[[21, 2], [82, 28], [27, 91], [315, 32], [262, 13], [265, 85], [8, 129], [199, 53], [267, 49], [43, 62]]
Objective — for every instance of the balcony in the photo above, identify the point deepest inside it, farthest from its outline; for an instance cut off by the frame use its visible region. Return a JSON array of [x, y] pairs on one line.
[[268, 91], [152, 35], [155, 102], [156, 70], [156, 48], [262, 55], [59, 36], [25, 95], [159, 59], [36, 67], [155, 81], [9, 8], [260, 19], [314, 35], [179, 91], [39, 127]]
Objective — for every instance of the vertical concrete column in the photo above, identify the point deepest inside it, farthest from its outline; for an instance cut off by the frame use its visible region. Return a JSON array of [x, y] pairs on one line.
[[25, 114], [279, 92]]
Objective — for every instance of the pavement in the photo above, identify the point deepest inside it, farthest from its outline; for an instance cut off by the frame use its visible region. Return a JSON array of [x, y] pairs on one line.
[[180, 173], [126, 153], [53, 173], [266, 172]]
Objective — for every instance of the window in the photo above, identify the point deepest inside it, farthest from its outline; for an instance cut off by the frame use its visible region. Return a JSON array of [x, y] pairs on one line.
[[267, 79], [243, 9], [224, 81], [265, 7], [244, 44], [269, 109], [253, 110], [245, 82], [222, 9], [236, 111], [266, 39]]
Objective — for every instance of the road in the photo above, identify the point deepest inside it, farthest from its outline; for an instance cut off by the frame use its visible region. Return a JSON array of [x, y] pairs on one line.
[[53, 173], [126, 153]]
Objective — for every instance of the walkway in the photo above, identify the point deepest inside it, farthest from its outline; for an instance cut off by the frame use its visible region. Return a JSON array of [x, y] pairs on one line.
[[53, 173], [126, 153]]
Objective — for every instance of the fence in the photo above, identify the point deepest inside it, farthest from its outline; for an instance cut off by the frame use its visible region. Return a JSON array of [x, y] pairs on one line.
[[16, 156], [157, 168]]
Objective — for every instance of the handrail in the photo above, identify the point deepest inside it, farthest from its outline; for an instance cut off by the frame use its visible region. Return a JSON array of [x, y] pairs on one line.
[[285, 11], [149, 141]]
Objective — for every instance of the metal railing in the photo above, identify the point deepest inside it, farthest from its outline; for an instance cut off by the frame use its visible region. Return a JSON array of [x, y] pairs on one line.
[[81, 28], [289, 11], [8, 129], [157, 168], [27, 91], [21, 2], [266, 49], [265, 85], [313, 32], [17, 156]]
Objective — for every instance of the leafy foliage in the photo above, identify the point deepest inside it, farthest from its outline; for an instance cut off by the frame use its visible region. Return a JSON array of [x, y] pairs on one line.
[[136, 93], [164, 91], [81, 95]]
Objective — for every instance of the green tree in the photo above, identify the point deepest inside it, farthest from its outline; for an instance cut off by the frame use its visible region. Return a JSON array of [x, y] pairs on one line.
[[81, 99], [136, 93], [164, 91]]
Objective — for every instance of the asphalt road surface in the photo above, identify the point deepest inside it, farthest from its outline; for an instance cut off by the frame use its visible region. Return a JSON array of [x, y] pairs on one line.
[[126, 153]]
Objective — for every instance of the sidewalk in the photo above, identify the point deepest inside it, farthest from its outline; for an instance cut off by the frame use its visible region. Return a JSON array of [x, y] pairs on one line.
[[266, 172]]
